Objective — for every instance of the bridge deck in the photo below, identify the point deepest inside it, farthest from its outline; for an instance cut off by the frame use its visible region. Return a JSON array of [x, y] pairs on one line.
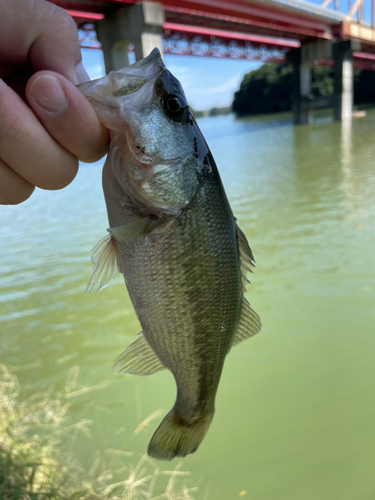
[[291, 19]]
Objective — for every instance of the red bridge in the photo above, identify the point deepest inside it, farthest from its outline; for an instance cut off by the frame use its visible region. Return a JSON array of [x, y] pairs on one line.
[[271, 30]]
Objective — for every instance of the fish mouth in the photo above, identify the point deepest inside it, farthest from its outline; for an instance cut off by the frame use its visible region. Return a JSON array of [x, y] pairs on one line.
[[153, 57], [127, 80], [133, 77]]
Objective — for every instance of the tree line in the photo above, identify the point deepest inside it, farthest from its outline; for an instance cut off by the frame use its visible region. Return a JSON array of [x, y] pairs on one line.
[[269, 88]]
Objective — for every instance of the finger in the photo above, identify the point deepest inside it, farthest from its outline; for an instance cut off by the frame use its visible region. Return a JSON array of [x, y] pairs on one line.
[[56, 47], [13, 188], [67, 115], [49, 38], [28, 149]]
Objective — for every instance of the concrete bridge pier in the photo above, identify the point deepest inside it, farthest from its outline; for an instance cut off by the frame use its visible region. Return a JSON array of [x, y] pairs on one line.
[[343, 86], [139, 25], [301, 87], [302, 60]]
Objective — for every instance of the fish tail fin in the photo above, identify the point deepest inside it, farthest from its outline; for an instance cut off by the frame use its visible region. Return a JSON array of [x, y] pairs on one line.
[[176, 438]]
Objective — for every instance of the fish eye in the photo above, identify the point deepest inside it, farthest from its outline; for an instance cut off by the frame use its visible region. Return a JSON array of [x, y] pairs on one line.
[[175, 107]]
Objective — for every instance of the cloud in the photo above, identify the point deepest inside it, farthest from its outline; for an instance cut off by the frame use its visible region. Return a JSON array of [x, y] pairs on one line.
[[203, 96], [175, 69], [183, 73], [230, 85]]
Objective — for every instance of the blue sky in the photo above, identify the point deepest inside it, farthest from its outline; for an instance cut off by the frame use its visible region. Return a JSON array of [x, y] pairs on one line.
[[207, 81], [344, 5]]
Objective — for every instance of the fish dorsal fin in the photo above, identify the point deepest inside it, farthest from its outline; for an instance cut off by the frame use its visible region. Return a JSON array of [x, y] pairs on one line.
[[246, 257], [138, 359], [249, 323], [106, 260]]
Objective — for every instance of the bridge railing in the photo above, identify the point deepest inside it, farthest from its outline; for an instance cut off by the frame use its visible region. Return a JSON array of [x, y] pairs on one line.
[[359, 11]]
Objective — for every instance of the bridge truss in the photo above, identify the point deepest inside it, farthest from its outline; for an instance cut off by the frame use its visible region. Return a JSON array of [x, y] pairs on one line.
[[204, 42], [189, 41]]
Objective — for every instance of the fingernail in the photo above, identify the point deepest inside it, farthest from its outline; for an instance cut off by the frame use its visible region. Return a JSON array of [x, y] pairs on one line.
[[48, 93], [82, 73]]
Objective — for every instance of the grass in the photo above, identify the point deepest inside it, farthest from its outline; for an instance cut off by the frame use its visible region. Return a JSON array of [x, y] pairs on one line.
[[34, 463]]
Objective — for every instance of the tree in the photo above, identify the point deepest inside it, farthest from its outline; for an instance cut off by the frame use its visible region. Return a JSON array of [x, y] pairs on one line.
[[265, 90], [269, 88]]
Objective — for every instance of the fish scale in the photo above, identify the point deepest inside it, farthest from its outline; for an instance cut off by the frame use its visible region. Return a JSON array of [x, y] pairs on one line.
[[195, 268], [174, 238]]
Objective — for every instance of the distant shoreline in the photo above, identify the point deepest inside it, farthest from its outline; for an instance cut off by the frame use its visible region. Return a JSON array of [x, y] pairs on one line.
[[213, 112], [228, 110]]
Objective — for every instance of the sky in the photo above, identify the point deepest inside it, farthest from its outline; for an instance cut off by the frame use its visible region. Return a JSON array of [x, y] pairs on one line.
[[207, 81], [345, 5]]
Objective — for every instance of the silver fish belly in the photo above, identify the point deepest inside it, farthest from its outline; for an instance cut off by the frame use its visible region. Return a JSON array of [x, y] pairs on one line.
[[174, 238]]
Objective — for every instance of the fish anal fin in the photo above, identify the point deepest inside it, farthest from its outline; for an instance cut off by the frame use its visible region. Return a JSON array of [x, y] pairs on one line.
[[106, 260], [249, 323], [138, 359]]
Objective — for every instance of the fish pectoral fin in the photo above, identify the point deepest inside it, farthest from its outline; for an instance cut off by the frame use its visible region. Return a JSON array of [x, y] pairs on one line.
[[138, 359], [106, 259], [249, 323], [130, 232]]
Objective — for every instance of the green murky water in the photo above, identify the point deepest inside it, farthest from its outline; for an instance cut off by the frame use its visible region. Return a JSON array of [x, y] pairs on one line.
[[295, 415]]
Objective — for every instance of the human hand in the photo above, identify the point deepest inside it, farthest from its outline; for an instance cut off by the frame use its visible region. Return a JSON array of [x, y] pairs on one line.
[[46, 124]]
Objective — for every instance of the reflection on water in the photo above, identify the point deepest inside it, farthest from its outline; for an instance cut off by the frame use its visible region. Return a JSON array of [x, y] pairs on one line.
[[295, 407]]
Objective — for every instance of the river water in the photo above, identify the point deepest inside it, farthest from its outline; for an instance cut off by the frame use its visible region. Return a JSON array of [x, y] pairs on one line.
[[295, 413]]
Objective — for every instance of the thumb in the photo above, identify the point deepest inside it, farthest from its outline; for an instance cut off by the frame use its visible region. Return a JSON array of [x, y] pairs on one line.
[[67, 115]]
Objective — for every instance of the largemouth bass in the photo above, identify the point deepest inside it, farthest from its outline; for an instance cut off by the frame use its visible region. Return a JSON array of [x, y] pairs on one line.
[[174, 238]]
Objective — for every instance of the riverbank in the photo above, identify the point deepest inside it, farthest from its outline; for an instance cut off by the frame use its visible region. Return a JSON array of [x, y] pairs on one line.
[[37, 464]]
